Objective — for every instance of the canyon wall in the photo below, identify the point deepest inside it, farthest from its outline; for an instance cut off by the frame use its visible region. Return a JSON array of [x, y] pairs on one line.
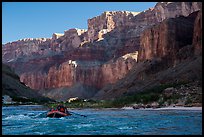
[[166, 38], [73, 72], [165, 10], [197, 34], [25, 47], [17, 90], [110, 29], [166, 56], [106, 22], [113, 44]]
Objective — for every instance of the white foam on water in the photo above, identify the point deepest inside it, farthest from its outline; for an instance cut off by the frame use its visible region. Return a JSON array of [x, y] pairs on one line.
[[31, 114], [39, 133], [44, 119], [123, 128], [83, 125], [62, 118], [38, 115], [17, 117]]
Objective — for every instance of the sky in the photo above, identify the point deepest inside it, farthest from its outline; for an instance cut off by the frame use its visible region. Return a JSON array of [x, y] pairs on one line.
[[41, 19]]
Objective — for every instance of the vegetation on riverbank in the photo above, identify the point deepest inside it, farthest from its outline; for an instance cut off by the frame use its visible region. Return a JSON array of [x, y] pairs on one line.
[[158, 96], [179, 94], [20, 100]]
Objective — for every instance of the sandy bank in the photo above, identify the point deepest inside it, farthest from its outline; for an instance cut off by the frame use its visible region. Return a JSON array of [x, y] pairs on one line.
[[168, 108], [180, 108]]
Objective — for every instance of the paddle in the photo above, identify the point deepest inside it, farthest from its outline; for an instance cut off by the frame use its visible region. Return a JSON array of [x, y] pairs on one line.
[[77, 114]]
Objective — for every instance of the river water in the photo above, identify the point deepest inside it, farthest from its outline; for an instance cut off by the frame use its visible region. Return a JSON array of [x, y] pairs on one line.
[[31, 120]]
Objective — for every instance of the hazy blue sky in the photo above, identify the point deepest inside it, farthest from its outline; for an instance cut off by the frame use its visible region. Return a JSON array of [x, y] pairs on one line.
[[42, 19]]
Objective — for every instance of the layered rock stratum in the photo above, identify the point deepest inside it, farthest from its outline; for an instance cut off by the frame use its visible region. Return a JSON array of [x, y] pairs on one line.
[[117, 46]]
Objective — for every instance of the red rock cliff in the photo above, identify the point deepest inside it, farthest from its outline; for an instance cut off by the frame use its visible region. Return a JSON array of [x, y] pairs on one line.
[[88, 73], [166, 38], [25, 47], [197, 34], [97, 54]]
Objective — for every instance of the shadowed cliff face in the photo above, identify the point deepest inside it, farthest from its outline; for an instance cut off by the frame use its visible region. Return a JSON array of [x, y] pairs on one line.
[[114, 43], [197, 34], [166, 55], [12, 86], [166, 38]]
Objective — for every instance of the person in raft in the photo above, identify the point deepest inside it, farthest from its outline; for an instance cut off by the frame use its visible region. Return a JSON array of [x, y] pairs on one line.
[[61, 108]]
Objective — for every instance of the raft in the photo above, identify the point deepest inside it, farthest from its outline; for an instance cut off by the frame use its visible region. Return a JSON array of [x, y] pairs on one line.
[[57, 114]]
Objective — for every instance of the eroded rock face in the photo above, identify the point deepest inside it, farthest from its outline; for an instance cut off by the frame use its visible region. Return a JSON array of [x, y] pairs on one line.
[[88, 73], [165, 10], [165, 56], [165, 39], [56, 35], [111, 29], [12, 86], [89, 54], [197, 34], [72, 39], [108, 50], [25, 47], [109, 20]]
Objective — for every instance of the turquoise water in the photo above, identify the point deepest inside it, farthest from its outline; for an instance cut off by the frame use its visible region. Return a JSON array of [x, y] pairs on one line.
[[31, 120]]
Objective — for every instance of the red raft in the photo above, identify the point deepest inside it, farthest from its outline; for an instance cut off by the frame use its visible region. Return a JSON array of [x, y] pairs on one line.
[[57, 114]]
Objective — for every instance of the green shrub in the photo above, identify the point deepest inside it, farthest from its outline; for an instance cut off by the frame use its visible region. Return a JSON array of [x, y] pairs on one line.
[[188, 101], [147, 96]]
